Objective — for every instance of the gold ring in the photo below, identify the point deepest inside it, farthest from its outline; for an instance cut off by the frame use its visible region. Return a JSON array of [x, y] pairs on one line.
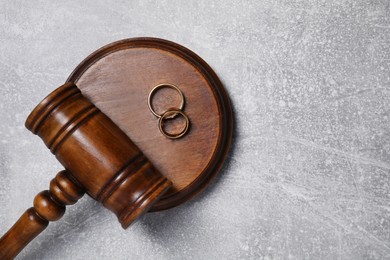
[[167, 115], [154, 90]]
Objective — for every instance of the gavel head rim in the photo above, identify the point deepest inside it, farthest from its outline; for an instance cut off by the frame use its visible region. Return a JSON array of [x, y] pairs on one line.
[[36, 117]]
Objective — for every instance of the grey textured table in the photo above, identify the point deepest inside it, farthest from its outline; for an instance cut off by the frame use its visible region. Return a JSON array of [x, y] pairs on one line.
[[308, 176]]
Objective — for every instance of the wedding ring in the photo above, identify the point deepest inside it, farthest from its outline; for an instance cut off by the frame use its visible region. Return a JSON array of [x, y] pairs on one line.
[[168, 114], [160, 86]]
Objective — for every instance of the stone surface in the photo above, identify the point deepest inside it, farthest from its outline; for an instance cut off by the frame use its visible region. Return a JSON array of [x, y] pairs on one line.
[[309, 173]]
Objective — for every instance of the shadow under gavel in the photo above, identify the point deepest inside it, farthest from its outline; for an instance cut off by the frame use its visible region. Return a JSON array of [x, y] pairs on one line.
[[99, 159]]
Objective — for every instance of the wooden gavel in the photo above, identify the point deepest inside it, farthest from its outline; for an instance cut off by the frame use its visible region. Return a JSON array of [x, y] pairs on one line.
[[99, 159]]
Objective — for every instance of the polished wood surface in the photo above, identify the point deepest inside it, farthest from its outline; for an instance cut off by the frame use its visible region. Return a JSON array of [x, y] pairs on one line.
[[49, 205], [118, 78], [98, 154], [99, 159], [98, 134]]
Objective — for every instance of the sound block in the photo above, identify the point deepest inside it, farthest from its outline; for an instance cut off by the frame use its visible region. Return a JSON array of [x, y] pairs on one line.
[[118, 79]]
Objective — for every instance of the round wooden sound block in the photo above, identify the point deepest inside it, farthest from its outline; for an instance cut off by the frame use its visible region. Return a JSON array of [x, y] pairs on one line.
[[118, 79]]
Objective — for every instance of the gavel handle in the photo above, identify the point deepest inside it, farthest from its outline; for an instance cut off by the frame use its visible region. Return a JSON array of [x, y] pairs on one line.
[[49, 205]]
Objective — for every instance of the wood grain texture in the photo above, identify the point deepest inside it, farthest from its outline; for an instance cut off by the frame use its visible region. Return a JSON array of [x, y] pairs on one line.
[[118, 78], [91, 132], [99, 159], [98, 154]]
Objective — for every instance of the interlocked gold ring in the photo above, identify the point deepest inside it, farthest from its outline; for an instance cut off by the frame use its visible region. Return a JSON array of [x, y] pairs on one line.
[[168, 114], [154, 90]]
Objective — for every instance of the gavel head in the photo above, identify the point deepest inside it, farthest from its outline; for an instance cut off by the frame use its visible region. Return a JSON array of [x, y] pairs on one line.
[[97, 153]]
